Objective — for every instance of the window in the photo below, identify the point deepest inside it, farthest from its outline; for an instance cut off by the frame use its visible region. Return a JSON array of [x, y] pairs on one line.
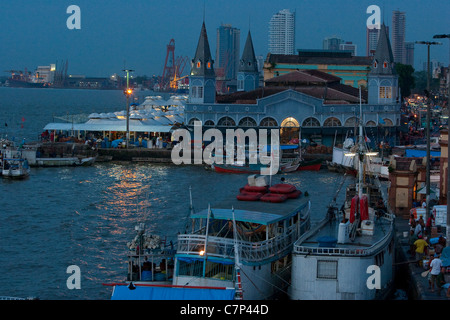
[[194, 268], [247, 122], [375, 64], [226, 122], [197, 92], [327, 269], [332, 122], [268, 122], [198, 64], [385, 92], [351, 122], [311, 122], [240, 84], [191, 122], [209, 65], [290, 122], [385, 65], [209, 123]]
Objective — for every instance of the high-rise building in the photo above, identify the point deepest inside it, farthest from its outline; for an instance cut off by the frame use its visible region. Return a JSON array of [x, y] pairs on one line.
[[332, 43], [282, 32], [227, 52], [349, 46], [398, 36], [409, 48]]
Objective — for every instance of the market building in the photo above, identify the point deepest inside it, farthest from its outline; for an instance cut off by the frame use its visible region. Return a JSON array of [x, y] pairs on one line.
[[308, 104]]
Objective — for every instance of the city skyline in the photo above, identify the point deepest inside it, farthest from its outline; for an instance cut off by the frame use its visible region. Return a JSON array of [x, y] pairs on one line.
[[115, 34]]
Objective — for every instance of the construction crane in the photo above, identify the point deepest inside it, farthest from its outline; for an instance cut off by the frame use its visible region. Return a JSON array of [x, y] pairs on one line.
[[173, 68]]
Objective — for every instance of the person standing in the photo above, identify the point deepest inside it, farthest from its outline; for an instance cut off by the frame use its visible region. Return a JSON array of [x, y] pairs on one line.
[[435, 269], [420, 246]]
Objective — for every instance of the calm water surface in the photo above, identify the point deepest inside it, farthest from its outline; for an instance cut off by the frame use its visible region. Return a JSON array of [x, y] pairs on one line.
[[85, 216]]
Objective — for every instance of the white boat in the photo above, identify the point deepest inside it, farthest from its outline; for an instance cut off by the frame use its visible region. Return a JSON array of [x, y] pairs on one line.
[[15, 168], [65, 161], [350, 254], [233, 250]]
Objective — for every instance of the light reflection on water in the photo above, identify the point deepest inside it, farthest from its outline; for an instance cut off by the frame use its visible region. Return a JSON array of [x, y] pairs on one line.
[[85, 216]]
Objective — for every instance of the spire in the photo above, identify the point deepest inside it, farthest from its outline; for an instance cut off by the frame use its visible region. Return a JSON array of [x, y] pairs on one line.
[[383, 60], [248, 61], [202, 64]]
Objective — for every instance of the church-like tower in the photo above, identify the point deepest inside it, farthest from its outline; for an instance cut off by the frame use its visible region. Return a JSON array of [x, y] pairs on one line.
[[383, 79], [202, 79], [248, 75]]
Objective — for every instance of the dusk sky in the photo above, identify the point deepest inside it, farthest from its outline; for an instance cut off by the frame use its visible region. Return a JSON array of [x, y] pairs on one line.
[[134, 34]]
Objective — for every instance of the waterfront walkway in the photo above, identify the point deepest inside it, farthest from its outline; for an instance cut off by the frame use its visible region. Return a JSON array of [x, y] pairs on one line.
[[418, 287]]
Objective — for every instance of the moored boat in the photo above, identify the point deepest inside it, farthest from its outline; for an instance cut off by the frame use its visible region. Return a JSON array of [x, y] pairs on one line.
[[231, 250], [15, 168], [349, 255]]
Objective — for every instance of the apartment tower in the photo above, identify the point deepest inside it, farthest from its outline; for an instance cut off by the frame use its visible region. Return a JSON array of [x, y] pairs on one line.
[[282, 32]]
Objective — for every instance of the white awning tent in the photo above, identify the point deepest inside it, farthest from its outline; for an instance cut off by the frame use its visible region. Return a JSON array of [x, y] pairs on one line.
[[111, 125], [142, 119]]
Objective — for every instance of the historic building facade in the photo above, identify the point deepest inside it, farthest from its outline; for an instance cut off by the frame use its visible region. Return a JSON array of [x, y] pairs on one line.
[[306, 104]]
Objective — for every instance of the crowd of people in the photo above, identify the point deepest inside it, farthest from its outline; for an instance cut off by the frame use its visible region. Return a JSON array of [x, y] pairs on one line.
[[427, 252], [96, 140]]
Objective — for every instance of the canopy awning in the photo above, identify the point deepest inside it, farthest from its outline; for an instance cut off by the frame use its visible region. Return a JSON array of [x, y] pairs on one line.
[[171, 293], [110, 125]]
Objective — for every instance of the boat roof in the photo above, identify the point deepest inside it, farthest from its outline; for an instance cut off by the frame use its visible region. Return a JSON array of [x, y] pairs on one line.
[[254, 211], [328, 231]]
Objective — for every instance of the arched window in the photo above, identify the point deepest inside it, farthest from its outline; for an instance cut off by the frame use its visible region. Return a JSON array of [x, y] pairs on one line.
[[332, 122], [371, 124], [311, 122], [226, 122], [198, 64], [351, 122], [247, 122], [268, 122], [209, 123], [290, 122], [191, 122], [388, 122]]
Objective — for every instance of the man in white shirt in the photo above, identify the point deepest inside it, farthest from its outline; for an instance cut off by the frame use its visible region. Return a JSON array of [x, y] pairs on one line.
[[435, 269]]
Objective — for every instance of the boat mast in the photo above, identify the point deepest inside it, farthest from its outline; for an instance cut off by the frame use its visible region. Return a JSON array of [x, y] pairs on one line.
[[361, 147]]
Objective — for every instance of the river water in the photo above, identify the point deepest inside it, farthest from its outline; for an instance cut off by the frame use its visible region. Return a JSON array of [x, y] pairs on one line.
[[84, 216]]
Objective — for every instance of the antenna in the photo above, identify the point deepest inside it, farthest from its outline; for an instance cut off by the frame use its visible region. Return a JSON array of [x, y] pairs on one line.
[[204, 5]]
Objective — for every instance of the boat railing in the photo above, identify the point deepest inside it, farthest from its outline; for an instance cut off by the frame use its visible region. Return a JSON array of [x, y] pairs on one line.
[[248, 251], [302, 248]]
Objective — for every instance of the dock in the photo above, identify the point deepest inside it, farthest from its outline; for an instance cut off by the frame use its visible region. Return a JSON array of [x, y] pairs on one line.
[[408, 272]]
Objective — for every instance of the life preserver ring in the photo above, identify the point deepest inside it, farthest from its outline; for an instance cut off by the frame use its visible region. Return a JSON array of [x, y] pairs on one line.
[[273, 197], [282, 188]]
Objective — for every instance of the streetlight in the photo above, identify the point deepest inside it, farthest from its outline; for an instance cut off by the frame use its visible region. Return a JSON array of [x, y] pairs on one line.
[[442, 36], [428, 43], [128, 93]]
